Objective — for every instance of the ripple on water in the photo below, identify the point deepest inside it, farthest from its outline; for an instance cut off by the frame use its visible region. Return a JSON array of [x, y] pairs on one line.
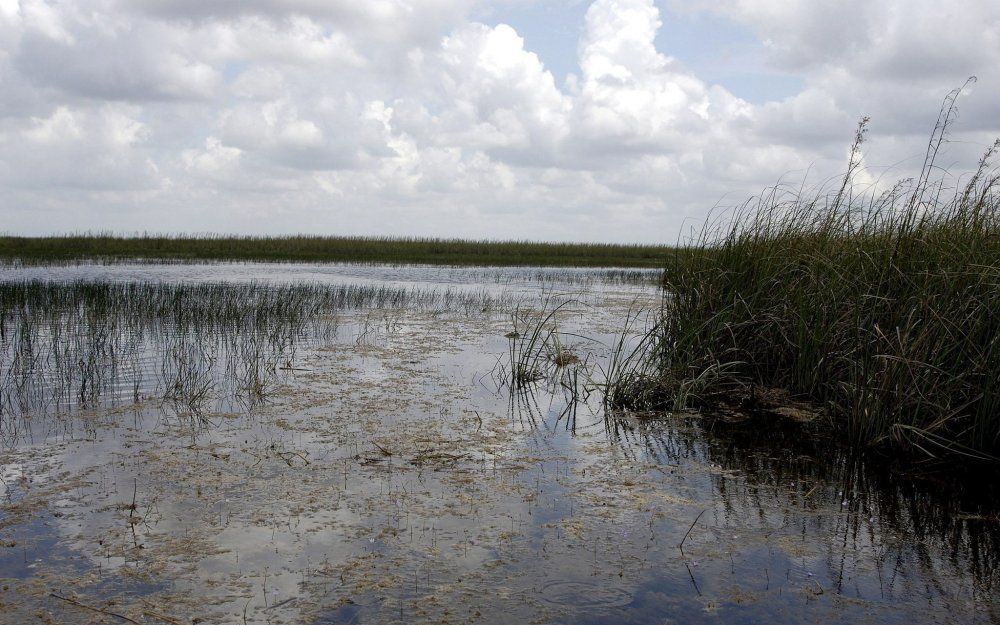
[[585, 595]]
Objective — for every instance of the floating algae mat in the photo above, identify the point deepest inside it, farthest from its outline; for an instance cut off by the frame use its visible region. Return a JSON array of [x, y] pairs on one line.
[[350, 444]]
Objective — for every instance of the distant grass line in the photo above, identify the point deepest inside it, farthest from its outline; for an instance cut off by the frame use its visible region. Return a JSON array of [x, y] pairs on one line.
[[329, 249], [882, 309]]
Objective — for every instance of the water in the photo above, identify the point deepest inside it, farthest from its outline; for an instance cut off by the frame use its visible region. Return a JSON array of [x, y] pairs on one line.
[[329, 274], [390, 476]]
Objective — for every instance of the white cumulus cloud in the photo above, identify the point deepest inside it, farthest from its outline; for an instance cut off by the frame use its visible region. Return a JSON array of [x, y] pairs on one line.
[[411, 117]]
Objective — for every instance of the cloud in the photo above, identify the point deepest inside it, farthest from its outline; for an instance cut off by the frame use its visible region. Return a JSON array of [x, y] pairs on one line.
[[871, 57], [409, 117], [97, 150], [633, 98], [496, 96], [106, 58], [393, 23], [894, 40]]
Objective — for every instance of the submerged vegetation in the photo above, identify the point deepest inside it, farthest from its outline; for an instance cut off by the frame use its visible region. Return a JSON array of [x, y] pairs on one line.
[[136, 439], [329, 249], [65, 346], [880, 310], [381, 479]]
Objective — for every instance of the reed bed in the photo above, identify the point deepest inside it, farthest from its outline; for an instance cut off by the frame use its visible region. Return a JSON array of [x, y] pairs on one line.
[[303, 248], [880, 309], [66, 346]]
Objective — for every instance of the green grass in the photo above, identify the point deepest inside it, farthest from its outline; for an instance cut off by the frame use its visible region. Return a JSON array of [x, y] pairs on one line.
[[883, 309], [329, 249], [85, 344]]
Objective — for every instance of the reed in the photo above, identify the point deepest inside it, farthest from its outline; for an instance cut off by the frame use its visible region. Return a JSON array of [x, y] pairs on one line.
[[530, 340], [302, 248], [882, 309], [73, 345]]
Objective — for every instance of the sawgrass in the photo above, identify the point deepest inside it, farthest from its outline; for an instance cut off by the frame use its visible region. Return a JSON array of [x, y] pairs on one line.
[[304, 248], [881, 309]]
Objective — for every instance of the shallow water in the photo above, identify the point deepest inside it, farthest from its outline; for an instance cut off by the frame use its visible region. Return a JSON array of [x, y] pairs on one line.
[[392, 477], [330, 274]]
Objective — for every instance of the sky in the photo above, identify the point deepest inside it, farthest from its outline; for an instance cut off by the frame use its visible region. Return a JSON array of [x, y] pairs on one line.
[[585, 120]]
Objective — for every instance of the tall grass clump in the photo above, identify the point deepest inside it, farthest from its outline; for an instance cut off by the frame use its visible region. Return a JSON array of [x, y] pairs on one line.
[[880, 308]]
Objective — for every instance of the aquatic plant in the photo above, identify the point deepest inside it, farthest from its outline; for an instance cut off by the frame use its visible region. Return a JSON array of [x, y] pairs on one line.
[[74, 345], [880, 307], [529, 341], [305, 248]]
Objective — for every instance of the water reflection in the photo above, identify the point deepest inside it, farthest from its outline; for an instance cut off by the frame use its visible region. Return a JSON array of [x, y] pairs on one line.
[[862, 528], [387, 480]]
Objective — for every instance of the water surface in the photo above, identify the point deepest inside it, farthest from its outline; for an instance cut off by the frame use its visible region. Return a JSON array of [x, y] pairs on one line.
[[389, 475]]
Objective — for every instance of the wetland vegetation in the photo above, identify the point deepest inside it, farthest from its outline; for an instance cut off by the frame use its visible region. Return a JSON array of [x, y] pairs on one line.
[[224, 442], [185, 444], [873, 311], [305, 248], [66, 345]]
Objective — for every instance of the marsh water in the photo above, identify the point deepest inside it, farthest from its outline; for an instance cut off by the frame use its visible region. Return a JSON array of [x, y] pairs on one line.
[[236, 443]]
